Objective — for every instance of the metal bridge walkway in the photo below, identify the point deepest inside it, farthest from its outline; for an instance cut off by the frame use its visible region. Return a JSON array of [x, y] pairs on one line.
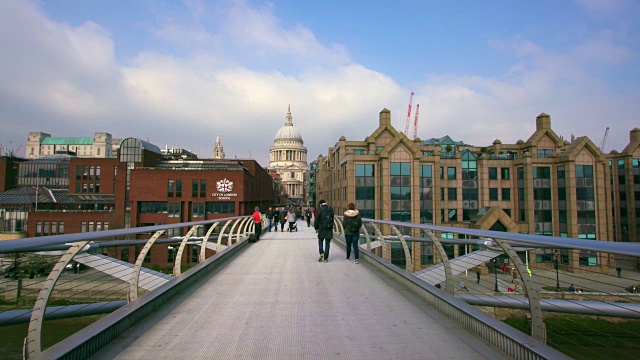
[[276, 301]]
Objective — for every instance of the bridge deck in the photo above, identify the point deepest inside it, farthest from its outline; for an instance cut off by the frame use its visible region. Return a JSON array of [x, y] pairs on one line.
[[276, 301]]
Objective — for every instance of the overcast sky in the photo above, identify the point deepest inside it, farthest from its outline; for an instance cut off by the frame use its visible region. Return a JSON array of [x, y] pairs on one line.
[[180, 72]]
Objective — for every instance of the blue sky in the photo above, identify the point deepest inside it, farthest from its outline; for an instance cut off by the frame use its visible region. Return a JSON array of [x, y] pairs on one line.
[[181, 72]]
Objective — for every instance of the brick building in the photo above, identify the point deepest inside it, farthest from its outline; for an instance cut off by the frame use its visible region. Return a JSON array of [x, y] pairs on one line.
[[544, 185], [62, 194]]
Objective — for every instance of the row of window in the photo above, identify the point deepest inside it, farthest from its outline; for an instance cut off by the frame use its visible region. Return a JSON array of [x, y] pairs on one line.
[[46, 228], [174, 209], [199, 188], [85, 172], [90, 188], [504, 173], [91, 226]]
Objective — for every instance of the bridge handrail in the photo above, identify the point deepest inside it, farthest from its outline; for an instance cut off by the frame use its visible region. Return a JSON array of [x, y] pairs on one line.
[[10, 246], [619, 248]]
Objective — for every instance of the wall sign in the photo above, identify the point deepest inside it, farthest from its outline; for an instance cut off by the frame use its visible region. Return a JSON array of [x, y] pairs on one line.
[[224, 187]]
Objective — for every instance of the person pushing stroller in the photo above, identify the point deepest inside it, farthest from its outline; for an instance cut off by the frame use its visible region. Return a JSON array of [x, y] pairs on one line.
[[291, 218]]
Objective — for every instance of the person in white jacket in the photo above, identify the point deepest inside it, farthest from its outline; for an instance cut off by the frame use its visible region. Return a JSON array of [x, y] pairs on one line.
[[291, 218]]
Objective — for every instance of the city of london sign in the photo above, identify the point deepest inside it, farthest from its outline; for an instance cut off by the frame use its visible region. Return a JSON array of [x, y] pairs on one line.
[[224, 187]]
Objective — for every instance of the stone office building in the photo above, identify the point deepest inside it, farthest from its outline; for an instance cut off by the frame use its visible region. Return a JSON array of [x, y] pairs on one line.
[[544, 185]]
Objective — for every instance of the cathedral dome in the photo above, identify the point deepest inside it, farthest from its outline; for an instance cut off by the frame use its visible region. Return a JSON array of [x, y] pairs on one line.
[[288, 132]]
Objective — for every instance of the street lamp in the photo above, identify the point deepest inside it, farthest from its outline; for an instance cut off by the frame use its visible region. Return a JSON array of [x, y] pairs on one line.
[[555, 264], [495, 272]]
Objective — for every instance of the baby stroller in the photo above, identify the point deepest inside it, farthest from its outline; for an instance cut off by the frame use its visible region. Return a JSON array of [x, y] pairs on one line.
[[293, 226]]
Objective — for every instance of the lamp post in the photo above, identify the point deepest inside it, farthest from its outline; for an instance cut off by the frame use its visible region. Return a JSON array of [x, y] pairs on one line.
[[495, 272], [555, 264]]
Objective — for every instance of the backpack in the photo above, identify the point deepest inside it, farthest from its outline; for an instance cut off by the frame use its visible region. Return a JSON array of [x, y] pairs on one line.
[[353, 225], [327, 218]]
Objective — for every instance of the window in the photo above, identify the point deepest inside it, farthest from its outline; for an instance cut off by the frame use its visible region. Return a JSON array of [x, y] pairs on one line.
[[441, 172], [505, 173], [442, 194], [544, 153], [365, 190], [493, 173], [220, 207], [171, 188], [198, 210], [493, 194], [194, 188], [452, 215], [426, 253], [124, 255], [506, 194], [97, 172], [203, 188], [170, 254], [39, 228], [451, 173], [178, 188], [61, 228], [153, 207], [426, 195], [83, 226], [452, 194], [400, 191], [174, 209], [358, 152], [194, 252]]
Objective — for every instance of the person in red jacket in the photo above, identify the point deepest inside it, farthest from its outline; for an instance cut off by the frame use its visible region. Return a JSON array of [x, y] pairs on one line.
[[258, 222]]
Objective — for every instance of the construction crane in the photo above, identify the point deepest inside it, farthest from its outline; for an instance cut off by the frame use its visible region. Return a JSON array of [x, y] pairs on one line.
[[604, 139], [406, 125], [415, 123]]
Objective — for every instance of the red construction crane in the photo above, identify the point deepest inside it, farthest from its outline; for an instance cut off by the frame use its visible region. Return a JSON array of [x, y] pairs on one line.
[[406, 125], [415, 123]]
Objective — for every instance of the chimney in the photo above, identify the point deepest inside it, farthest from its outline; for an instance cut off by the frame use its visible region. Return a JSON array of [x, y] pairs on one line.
[[634, 136], [543, 122], [385, 117]]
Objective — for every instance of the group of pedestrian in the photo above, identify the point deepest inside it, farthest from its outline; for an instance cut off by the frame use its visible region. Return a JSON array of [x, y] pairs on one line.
[[323, 224]]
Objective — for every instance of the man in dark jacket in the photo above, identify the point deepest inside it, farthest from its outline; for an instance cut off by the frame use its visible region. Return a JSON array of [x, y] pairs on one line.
[[324, 226], [282, 217], [352, 223], [269, 215], [307, 214], [276, 218]]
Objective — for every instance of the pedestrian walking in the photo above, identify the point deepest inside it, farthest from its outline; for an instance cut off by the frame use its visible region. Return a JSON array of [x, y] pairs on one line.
[[478, 277], [307, 214], [352, 223], [283, 218], [463, 286], [257, 219], [276, 219], [269, 215], [324, 226], [291, 218], [619, 270]]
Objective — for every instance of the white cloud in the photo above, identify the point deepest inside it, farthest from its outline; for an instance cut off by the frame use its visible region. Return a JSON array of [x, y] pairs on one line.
[[604, 5], [603, 49], [65, 80]]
